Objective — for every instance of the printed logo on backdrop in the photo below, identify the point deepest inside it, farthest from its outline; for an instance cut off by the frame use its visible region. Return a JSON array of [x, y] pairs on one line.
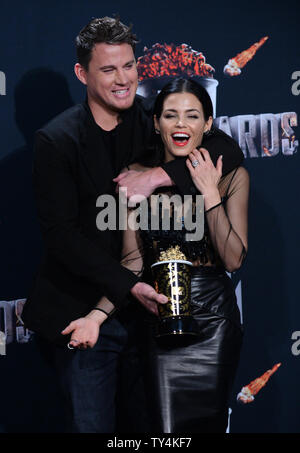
[[295, 349], [12, 328], [263, 135], [2, 84], [296, 85]]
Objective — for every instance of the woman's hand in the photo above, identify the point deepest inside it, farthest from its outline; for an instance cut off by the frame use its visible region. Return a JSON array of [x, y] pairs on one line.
[[205, 175], [85, 332]]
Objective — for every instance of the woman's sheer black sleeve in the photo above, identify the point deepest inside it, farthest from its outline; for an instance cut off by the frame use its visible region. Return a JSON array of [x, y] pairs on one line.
[[227, 222]]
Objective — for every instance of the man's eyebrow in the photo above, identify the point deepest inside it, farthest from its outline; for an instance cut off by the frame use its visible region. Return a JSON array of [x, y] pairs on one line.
[[106, 67], [114, 67], [129, 62]]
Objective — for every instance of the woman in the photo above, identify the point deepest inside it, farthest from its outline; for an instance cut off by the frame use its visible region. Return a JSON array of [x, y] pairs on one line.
[[192, 381]]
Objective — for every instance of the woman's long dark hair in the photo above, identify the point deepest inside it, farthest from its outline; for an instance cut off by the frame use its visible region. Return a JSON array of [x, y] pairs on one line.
[[155, 153]]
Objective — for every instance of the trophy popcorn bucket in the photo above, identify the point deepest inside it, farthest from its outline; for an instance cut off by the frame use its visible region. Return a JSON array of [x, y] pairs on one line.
[[173, 279], [162, 62], [152, 87]]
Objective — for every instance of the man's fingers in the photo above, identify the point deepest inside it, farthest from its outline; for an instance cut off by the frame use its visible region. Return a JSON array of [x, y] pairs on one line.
[[82, 346], [68, 329], [124, 175], [152, 307], [120, 176], [154, 310], [135, 199], [160, 298], [150, 294]]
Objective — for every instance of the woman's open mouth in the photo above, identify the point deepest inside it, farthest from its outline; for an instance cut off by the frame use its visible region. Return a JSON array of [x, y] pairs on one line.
[[180, 138]]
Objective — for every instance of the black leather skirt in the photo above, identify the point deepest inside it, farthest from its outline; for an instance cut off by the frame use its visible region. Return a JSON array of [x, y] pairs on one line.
[[191, 380]]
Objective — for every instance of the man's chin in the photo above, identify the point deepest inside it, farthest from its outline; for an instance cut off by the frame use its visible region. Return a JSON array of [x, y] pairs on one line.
[[123, 105]]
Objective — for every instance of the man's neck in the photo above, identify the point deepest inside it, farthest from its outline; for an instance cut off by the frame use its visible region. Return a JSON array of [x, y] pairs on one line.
[[106, 119]]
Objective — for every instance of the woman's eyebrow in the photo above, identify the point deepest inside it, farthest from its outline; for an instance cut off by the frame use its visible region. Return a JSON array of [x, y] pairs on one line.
[[188, 110], [193, 110]]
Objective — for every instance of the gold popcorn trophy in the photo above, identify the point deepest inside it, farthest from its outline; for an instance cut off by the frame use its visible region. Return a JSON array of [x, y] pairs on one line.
[[172, 277]]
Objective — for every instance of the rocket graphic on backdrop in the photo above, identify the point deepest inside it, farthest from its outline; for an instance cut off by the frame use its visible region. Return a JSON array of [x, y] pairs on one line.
[[234, 65], [247, 393]]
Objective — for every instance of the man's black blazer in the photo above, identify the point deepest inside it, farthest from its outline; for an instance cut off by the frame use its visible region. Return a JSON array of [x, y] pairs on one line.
[[72, 167]]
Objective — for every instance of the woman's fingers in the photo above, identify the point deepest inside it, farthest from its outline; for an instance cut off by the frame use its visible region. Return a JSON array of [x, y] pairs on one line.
[[202, 157], [195, 155], [219, 165], [205, 155], [189, 165]]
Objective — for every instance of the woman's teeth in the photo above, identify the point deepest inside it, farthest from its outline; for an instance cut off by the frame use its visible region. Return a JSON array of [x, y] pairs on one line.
[[180, 138]]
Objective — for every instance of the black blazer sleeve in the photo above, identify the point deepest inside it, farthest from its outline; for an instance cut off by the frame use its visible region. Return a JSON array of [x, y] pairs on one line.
[[217, 143], [58, 211]]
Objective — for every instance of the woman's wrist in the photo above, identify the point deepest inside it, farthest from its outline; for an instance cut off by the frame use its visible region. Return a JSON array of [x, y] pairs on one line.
[[211, 198]]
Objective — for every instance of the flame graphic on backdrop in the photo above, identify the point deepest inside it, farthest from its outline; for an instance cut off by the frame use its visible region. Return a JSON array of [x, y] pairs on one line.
[[234, 65], [170, 60], [247, 393]]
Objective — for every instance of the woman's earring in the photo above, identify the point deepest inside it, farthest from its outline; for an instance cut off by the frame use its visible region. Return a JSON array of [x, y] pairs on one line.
[[208, 132], [157, 131]]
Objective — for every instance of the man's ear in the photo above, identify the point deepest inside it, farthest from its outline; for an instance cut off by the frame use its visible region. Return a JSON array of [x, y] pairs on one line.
[[80, 73]]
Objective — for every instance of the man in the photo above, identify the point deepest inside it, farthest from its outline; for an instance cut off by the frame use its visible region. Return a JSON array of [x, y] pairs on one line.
[[77, 156]]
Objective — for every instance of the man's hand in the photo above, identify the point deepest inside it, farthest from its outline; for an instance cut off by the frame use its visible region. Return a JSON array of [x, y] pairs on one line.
[[148, 297], [85, 332], [141, 184]]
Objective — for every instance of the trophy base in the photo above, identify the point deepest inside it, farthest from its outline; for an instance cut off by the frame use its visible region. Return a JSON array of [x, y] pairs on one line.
[[177, 325]]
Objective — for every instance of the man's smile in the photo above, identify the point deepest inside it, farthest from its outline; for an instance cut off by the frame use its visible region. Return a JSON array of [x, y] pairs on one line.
[[121, 93]]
